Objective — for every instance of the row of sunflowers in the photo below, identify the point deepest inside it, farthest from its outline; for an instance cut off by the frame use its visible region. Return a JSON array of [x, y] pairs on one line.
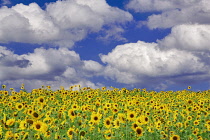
[[98, 114]]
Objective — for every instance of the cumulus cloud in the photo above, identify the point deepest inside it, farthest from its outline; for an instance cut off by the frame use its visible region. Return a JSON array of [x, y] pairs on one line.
[[172, 12], [146, 59], [52, 66], [112, 33], [189, 37], [147, 63], [62, 23], [5, 2], [159, 5]]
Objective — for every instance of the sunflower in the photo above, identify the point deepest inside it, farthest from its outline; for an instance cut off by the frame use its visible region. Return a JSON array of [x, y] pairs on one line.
[[75, 107], [13, 98], [30, 121], [29, 111], [139, 131], [71, 113], [189, 102], [208, 123], [70, 133], [122, 117], [107, 123], [40, 126], [143, 119], [95, 117], [114, 110], [37, 136], [57, 136], [131, 115], [41, 99], [4, 86], [25, 136], [134, 126], [47, 134], [108, 134], [19, 106], [23, 125], [48, 120], [35, 115], [189, 118], [116, 123], [175, 137], [16, 136], [9, 135], [186, 124], [82, 133], [97, 103], [6, 93], [10, 122], [196, 122], [15, 114], [108, 105], [195, 132]]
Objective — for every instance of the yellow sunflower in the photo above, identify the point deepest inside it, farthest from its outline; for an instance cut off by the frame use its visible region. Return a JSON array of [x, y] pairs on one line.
[[9, 135], [134, 125], [121, 117], [71, 113], [108, 134], [131, 115], [139, 131], [107, 122], [116, 123], [175, 137], [10, 122], [19, 106], [40, 126], [70, 133], [23, 125], [96, 117]]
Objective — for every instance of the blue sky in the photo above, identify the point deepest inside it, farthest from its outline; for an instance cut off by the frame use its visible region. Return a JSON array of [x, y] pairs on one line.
[[153, 44]]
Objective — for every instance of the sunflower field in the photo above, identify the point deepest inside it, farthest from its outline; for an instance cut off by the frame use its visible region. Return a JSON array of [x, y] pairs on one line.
[[99, 114]]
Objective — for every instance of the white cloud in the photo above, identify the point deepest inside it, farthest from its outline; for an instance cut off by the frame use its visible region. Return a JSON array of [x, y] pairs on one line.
[[145, 63], [194, 14], [5, 2], [180, 57], [113, 33], [55, 67], [172, 12], [62, 23], [159, 5], [190, 37], [28, 24]]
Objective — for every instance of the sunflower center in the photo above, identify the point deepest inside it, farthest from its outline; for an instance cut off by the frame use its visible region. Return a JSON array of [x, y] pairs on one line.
[[41, 100], [135, 125], [138, 131], [70, 132], [35, 115], [175, 138], [95, 118], [82, 133], [38, 126], [72, 113], [108, 122], [30, 121], [131, 115]]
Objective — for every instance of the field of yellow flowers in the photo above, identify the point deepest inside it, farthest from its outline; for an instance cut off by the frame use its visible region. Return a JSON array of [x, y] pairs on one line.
[[99, 114]]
